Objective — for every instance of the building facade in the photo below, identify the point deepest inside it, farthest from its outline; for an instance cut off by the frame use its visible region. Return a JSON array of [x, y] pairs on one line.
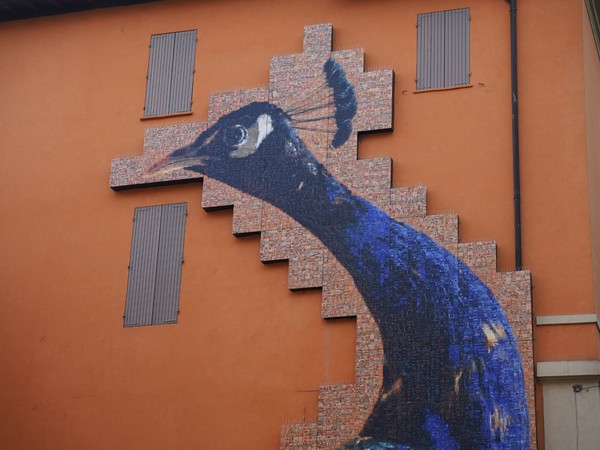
[[140, 308]]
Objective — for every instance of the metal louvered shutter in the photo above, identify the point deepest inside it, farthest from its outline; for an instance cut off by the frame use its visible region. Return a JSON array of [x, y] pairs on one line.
[[155, 265], [443, 49], [170, 76]]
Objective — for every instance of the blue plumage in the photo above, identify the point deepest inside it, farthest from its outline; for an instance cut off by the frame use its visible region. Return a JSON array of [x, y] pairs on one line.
[[452, 375]]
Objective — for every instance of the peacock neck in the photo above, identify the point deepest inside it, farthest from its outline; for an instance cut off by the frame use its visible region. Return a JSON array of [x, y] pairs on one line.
[[356, 232]]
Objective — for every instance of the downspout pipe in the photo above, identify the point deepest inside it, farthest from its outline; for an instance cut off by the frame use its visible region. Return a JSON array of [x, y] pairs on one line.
[[515, 134]]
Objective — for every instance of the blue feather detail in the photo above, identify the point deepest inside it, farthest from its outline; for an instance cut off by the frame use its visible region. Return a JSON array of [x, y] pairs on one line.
[[344, 101]]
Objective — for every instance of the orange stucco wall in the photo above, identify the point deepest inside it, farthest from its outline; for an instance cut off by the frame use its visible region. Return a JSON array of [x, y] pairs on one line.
[[247, 354], [555, 188]]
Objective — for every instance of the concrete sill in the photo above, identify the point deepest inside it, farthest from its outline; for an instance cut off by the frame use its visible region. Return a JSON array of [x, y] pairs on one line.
[[562, 369], [449, 88], [162, 116]]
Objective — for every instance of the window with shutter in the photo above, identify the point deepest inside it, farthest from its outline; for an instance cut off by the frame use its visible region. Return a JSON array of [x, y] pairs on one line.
[[155, 265], [443, 49], [170, 73]]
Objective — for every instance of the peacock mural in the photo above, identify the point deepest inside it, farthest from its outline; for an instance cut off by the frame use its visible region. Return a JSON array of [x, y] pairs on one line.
[[452, 374]]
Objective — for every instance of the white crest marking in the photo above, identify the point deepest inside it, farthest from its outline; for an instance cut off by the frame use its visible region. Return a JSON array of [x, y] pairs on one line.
[[265, 126]]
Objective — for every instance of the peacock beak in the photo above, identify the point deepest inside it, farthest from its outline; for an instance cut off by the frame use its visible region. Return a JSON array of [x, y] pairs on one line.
[[182, 158], [191, 157]]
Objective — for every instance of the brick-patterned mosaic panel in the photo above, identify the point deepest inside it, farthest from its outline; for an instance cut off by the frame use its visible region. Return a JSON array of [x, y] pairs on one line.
[[132, 171], [444, 341]]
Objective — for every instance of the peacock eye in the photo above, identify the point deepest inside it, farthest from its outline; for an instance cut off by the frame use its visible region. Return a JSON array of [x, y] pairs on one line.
[[235, 136]]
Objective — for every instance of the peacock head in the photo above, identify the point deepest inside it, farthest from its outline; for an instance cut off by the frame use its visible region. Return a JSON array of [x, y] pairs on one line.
[[234, 149], [256, 149]]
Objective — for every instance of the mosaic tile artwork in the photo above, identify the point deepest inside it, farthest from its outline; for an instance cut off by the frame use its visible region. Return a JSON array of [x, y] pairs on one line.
[[444, 353]]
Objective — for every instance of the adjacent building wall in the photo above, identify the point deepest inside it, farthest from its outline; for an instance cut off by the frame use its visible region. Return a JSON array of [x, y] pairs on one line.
[[554, 175], [577, 429], [591, 60]]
